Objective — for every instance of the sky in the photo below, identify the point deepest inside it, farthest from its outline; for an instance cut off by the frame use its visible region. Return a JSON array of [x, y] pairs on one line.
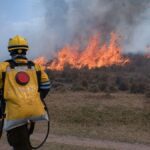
[[23, 17]]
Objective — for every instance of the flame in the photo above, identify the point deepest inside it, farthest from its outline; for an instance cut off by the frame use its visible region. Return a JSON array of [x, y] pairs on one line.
[[41, 61], [92, 56]]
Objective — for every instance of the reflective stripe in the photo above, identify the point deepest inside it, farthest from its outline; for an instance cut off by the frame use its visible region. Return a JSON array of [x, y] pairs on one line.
[[45, 85], [10, 124]]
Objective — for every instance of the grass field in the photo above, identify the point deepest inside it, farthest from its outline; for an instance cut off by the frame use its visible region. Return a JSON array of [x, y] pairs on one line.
[[118, 117]]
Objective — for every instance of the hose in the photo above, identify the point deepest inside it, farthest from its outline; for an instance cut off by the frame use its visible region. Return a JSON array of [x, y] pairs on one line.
[[48, 130]]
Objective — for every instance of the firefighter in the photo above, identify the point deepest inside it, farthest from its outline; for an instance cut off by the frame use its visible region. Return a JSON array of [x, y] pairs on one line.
[[23, 85]]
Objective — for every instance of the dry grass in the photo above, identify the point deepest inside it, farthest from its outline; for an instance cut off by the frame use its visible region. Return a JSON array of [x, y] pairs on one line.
[[120, 116]]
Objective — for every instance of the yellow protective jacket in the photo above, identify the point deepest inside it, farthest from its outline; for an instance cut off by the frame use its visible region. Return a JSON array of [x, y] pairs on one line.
[[23, 102]]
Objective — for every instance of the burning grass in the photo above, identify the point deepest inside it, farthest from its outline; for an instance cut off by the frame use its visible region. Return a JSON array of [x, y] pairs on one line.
[[132, 78], [93, 56]]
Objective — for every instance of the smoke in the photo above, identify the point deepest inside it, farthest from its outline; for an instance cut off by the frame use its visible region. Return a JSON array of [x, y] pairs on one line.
[[70, 21]]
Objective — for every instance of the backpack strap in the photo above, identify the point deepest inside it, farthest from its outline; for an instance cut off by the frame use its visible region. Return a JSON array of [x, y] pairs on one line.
[[30, 64], [38, 73], [12, 63]]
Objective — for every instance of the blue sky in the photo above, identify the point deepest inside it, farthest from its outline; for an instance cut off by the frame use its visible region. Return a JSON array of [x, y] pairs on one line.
[[16, 10], [24, 17]]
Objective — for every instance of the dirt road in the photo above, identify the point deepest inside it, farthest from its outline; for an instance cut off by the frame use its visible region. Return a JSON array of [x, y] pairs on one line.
[[86, 142]]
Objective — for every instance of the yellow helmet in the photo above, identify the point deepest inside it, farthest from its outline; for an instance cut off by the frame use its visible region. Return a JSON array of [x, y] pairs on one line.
[[17, 42]]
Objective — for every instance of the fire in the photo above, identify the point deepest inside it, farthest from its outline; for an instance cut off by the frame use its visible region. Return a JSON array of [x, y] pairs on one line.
[[92, 56], [41, 61]]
